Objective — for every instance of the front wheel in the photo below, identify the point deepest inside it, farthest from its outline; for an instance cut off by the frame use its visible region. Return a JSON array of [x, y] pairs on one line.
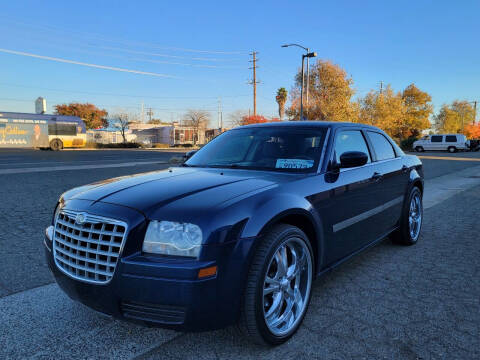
[[411, 220], [419, 149], [278, 287]]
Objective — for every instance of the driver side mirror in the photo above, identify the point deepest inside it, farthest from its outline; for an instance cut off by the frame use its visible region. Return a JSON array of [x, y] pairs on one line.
[[189, 154], [350, 159]]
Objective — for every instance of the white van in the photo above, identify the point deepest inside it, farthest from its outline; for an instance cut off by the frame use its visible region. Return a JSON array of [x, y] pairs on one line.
[[449, 142]]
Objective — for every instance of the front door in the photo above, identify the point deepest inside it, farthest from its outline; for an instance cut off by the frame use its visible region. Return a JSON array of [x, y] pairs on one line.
[[350, 213]]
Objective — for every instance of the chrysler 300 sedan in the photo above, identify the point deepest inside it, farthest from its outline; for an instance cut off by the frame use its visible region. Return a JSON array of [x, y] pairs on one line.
[[237, 234]]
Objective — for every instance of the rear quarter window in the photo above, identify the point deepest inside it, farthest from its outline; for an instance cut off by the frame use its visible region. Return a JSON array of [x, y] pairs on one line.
[[382, 147]]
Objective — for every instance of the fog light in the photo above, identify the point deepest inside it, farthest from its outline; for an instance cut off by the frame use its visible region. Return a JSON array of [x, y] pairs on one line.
[[209, 271], [49, 232]]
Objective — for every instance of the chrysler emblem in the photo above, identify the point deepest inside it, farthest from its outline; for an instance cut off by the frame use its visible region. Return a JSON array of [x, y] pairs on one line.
[[80, 218]]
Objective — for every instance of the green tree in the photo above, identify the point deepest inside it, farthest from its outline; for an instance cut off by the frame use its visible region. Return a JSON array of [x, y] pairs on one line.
[[281, 100], [330, 94], [94, 117]]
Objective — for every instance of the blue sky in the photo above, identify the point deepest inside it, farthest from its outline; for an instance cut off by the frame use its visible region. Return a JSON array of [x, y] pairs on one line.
[[203, 47]]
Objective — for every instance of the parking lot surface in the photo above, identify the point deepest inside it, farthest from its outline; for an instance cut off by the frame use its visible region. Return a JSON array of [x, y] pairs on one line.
[[391, 302]]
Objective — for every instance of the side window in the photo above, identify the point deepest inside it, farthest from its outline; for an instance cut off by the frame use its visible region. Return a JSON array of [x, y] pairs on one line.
[[450, 138], [62, 129], [436, 138], [350, 140], [383, 148]]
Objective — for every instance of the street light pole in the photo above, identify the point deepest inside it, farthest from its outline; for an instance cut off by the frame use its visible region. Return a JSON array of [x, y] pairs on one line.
[[301, 91], [306, 55], [308, 78]]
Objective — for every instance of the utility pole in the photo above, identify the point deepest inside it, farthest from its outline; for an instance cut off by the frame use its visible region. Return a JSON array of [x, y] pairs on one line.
[[381, 87], [474, 112], [150, 114], [254, 81], [220, 114]]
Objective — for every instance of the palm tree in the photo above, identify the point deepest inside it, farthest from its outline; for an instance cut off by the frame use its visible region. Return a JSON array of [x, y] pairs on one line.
[[281, 100]]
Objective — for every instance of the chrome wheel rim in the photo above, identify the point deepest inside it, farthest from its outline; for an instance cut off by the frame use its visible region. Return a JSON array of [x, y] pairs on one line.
[[287, 285], [415, 216]]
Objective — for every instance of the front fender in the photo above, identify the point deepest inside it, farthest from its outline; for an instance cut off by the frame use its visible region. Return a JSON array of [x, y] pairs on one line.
[[277, 207], [272, 212]]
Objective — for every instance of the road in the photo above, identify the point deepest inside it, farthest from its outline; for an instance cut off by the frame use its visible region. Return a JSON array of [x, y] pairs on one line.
[[390, 302]]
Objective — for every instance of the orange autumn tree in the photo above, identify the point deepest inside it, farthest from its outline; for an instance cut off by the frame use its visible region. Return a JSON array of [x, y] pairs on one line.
[[93, 116], [257, 119], [472, 131]]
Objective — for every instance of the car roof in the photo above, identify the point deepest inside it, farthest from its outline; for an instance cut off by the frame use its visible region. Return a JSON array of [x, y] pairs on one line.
[[331, 124]]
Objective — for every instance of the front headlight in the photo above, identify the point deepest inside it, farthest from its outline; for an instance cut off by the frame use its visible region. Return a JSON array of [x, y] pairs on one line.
[[172, 238]]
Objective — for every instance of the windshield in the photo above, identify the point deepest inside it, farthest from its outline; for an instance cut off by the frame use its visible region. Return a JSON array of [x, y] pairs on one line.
[[269, 148]]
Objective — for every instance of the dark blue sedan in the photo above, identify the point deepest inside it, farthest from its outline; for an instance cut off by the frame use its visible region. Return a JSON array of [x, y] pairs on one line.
[[237, 234]]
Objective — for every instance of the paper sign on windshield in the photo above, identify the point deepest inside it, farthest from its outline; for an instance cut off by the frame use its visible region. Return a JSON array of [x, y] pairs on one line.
[[294, 164]]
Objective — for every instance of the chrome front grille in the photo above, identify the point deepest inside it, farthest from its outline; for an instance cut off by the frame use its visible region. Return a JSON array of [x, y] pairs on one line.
[[87, 247]]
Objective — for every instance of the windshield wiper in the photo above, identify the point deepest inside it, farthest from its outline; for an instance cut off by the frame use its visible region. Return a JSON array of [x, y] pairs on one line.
[[229, 166]]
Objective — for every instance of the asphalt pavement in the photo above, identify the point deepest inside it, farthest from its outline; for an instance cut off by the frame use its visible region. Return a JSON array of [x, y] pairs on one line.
[[391, 302]]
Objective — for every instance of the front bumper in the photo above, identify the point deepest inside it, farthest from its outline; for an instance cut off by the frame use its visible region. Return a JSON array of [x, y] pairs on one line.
[[167, 292]]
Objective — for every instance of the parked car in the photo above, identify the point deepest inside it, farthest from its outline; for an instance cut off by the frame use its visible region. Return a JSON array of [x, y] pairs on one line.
[[474, 144], [446, 142], [239, 232]]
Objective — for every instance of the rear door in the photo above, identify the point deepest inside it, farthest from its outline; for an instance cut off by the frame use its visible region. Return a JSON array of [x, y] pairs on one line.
[[395, 177], [454, 140]]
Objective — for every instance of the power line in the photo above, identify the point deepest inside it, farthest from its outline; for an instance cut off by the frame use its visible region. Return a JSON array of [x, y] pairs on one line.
[[99, 37], [156, 54], [87, 64], [185, 64], [126, 95]]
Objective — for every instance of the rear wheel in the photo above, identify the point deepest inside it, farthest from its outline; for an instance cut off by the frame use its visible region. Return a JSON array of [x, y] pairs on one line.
[[419, 149], [411, 220], [56, 144], [278, 287], [452, 149]]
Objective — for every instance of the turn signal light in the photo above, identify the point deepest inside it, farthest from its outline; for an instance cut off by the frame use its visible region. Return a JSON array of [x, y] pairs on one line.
[[209, 271]]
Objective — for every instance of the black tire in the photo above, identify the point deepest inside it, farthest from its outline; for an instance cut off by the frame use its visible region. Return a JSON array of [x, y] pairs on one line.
[[56, 144], [452, 149], [252, 322], [419, 149], [403, 235]]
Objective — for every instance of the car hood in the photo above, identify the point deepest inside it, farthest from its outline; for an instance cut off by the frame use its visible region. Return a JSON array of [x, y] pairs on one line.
[[148, 191]]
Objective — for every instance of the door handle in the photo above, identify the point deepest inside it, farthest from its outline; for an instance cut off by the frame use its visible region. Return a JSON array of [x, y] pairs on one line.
[[377, 176]]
